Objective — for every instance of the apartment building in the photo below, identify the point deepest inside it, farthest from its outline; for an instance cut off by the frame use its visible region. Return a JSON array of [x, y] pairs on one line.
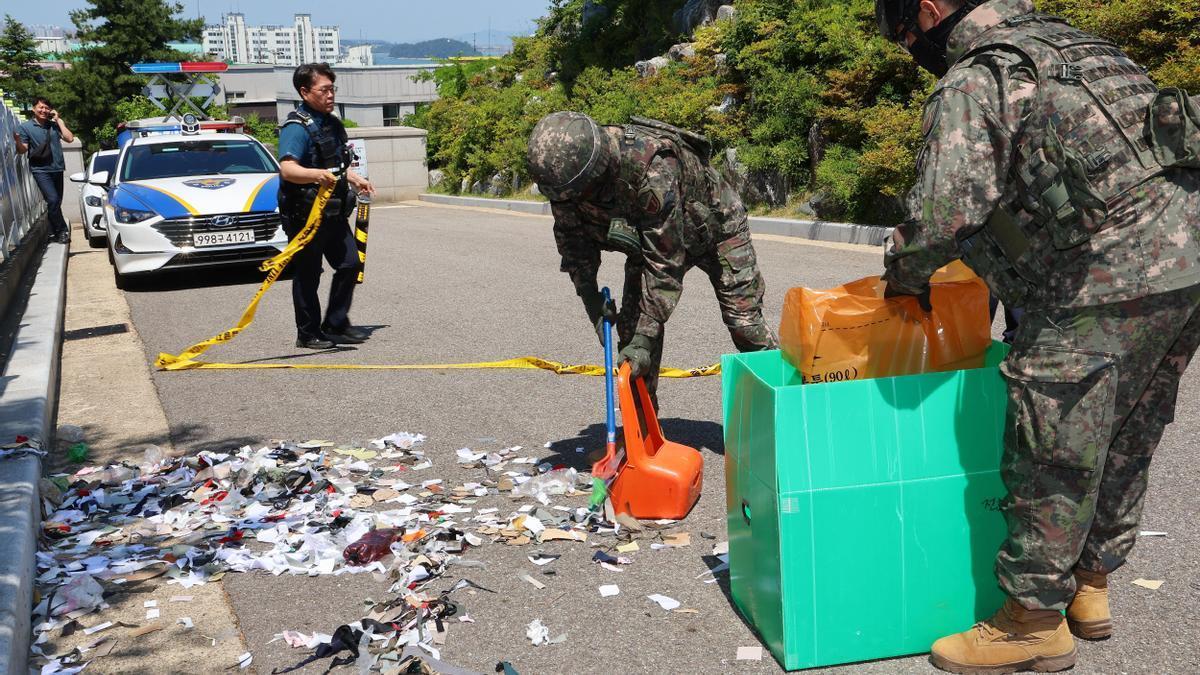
[[302, 42]]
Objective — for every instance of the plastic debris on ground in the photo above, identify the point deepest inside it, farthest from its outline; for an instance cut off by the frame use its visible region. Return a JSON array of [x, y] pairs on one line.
[[316, 508]]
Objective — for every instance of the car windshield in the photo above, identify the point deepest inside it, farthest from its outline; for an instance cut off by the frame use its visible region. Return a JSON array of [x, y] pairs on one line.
[[195, 157], [104, 163]]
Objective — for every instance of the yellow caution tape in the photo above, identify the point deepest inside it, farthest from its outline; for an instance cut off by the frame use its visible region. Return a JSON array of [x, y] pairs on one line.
[[273, 268], [168, 362], [186, 360]]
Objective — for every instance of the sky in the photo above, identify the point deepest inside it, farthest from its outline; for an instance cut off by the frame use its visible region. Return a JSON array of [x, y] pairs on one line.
[[391, 20]]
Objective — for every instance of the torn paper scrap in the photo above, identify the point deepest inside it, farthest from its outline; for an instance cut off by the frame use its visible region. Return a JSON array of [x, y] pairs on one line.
[[753, 653], [609, 590], [537, 632], [1152, 584], [664, 602], [536, 584]]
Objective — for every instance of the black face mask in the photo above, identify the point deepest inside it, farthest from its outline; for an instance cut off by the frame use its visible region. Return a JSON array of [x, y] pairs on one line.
[[929, 49]]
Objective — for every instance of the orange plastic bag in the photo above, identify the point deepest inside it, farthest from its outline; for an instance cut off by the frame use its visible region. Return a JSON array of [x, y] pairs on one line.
[[853, 333]]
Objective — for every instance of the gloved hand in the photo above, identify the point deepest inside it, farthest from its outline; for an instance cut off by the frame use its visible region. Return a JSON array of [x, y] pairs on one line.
[[922, 297], [637, 353], [597, 310]]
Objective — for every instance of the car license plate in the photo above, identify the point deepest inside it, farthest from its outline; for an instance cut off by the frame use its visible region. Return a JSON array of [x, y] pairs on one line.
[[202, 239]]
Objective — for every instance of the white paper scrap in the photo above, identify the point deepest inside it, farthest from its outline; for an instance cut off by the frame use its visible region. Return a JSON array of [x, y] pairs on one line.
[[97, 628], [185, 621], [753, 653], [664, 602], [609, 590], [152, 614], [536, 584], [245, 660], [1151, 533], [150, 603]]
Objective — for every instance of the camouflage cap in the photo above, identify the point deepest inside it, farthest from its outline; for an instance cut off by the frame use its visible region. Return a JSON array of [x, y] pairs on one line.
[[567, 153]]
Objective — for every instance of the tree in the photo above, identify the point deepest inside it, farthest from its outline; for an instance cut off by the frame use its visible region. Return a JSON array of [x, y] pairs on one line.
[[18, 61], [116, 34], [1162, 35]]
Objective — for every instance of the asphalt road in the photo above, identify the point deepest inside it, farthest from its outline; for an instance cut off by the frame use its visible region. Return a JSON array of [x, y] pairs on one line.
[[458, 285]]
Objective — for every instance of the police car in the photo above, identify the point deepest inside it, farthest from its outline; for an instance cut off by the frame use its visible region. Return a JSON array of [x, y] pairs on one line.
[[91, 197], [190, 194]]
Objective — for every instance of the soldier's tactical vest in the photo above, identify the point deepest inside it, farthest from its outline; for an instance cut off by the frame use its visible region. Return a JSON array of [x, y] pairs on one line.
[[327, 150], [711, 220], [1089, 141]]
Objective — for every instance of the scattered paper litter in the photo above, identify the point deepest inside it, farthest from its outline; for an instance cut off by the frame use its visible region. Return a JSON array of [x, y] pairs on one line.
[[537, 632], [628, 548], [543, 558], [1152, 584], [752, 653], [185, 621], [536, 584], [146, 630], [245, 660], [97, 628], [664, 602], [609, 590], [1151, 533], [150, 603], [152, 614]]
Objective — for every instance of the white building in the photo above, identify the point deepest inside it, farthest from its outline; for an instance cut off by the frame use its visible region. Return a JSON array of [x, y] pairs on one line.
[[359, 56], [301, 42], [379, 96]]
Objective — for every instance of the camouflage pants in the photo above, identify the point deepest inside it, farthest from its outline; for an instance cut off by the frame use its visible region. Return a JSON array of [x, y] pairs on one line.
[[1090, 392], [732, 268]]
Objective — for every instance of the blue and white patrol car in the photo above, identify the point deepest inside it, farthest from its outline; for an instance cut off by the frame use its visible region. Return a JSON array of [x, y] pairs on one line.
[[190, 194]]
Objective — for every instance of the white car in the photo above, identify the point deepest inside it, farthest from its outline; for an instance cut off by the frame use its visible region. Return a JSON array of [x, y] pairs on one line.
[[91, 197], [191, 200]]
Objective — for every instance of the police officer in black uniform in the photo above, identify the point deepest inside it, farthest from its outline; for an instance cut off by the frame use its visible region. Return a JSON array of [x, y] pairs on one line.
[[314, 152]]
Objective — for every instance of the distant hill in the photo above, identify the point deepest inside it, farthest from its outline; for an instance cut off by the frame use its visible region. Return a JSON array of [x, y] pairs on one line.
[[441, 48]]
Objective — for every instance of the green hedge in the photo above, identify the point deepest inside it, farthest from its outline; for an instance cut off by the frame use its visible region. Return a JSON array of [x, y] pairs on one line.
[[801, 70]]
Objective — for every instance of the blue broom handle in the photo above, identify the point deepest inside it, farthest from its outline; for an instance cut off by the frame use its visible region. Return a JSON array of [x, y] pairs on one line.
[[609, 384]]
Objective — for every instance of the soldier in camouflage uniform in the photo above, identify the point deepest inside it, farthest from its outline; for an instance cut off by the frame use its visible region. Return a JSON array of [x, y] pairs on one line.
[[1057, 170], [646, 190]]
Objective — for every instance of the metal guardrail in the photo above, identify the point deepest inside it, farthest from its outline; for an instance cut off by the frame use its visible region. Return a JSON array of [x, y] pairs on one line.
[[21, 203]]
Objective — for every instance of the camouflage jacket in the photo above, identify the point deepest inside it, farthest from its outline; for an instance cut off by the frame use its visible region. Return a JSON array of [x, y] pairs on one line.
[[678, 206], [977, 123]]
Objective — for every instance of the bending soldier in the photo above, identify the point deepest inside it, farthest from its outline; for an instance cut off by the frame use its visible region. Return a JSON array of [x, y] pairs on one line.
[[1058, 171], [646, 190]]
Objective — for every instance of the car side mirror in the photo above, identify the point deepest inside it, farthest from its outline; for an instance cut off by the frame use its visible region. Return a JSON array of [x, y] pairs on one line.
[[78, 177], [99, 178]]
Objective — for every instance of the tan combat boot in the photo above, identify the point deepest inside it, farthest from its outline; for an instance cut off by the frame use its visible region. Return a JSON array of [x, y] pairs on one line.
[[1015, 639], [1088, 613]]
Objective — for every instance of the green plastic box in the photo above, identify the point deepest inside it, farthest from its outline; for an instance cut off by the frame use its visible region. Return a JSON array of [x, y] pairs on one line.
[[864, 516]]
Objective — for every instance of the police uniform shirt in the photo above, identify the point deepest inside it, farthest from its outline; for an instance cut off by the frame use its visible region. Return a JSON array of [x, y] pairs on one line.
[[295, 141]]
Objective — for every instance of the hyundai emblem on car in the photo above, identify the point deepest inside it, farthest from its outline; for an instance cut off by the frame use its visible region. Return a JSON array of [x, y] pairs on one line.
[[224, 221]]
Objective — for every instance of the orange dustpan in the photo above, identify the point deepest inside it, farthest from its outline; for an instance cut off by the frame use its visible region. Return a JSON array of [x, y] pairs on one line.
[[659, 478]]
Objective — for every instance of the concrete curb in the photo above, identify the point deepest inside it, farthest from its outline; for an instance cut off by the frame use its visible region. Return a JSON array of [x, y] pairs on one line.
[[518, 205], [816, 230], [27, 403], [819, 230]]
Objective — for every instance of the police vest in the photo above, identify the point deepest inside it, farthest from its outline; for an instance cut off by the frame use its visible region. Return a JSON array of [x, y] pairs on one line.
[[1088, 142], [700, 183], [327, 149]]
